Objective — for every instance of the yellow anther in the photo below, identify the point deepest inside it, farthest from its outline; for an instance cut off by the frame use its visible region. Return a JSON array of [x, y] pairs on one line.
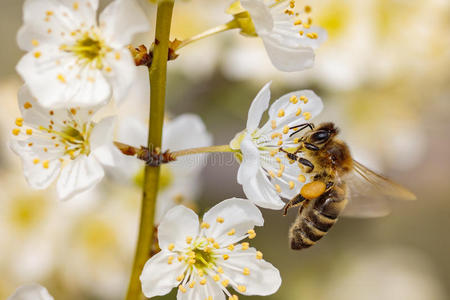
[[232, 231], [180, 277], [201, 273], [301, 32], [291, 185], [29, 131], [203, 281], [37, 54], [293, 99], [45, 164], [108, 69], [170, 260], [301, 178], [281, 113], [117, 56], [233, 297], [246, 271], [49, 13], [205, 225], [251, 234], [220, 220], [242, 288], [207, 249], [312, 35], [27, 105], [304, 99], [61, 78], [188, 239], [191, 254], [30, 144], [274, 124], [182, 288], [307, 9], [299, 111], [209, 298], [16, 131], [271, 174], [210, 239], [216, 277], [75, 6], [34, 43], [192, 284], [259, 255], [191, 261], [225, 256], [230, 247], [280, 172], [280, 143], [285, 129], [307, 26], [220, 270], [278, 160], [36, 161], [278, 188], [225, 283], [245, 246], [273, 152], [307, 115], [216, 245], [292, 4], [288, 12], [171, 246], [275, 135], [298, 22]]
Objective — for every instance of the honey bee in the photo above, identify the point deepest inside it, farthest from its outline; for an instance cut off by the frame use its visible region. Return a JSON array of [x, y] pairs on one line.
[[340, 185]]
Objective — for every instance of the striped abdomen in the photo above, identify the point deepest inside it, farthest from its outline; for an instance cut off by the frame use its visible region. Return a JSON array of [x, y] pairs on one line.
[[316, 218]]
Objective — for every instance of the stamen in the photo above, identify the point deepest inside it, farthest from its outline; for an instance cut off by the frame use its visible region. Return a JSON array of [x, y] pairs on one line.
[[171, 246], [251, 234], [259, 255], [246, 271], [245, 246], [220, 220]]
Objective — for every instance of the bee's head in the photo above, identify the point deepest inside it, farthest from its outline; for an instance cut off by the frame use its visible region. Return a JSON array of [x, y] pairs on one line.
[[322, 134]]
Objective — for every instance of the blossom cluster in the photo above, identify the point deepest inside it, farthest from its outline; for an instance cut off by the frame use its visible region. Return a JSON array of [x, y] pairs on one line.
[[76, 65]]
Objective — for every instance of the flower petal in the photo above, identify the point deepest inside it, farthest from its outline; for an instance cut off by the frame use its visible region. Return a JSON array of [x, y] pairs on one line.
[[260, 14], [283, 112], [51, 22], [57, 79], [121, 73], [101, 141], [258, 107], [250, 160], [158, 276], [263, 278], [78, 176], [236, 214], [286, 58], [121, 20], [209, 289], [183, 132], [179, 223], [31, 292], [260, 191]]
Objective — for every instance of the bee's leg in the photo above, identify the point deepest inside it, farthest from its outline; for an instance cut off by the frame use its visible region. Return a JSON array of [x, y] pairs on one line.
[[310, 146], [289, 155], [329, 186], [301, 127], [306, 163], [294, 202]]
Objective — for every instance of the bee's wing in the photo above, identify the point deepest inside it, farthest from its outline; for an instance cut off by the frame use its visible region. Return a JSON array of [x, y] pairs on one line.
[[369, 193]]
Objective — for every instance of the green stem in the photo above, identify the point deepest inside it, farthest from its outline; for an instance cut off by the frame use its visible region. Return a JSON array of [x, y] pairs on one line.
[[157, 73], [211, 149], [221, 28]]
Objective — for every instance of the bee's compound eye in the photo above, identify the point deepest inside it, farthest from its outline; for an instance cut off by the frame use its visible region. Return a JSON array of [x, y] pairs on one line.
[[321, 136]]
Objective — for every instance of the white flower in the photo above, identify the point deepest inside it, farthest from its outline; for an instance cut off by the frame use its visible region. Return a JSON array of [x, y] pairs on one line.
[[72, 61], [31, 292], [62, 143], [205, 259], [286, 30], [179, 180], [261, 157]]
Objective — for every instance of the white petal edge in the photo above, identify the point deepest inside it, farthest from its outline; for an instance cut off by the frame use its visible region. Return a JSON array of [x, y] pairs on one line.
[[179, 223], [121, 20], [238, 214], [250, 160], [31, 291], [78, 176], [258, 107], [260, 191], [158, 277]]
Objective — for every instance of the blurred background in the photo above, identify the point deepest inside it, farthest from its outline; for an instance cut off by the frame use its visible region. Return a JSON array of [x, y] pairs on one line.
[[384, 75]]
